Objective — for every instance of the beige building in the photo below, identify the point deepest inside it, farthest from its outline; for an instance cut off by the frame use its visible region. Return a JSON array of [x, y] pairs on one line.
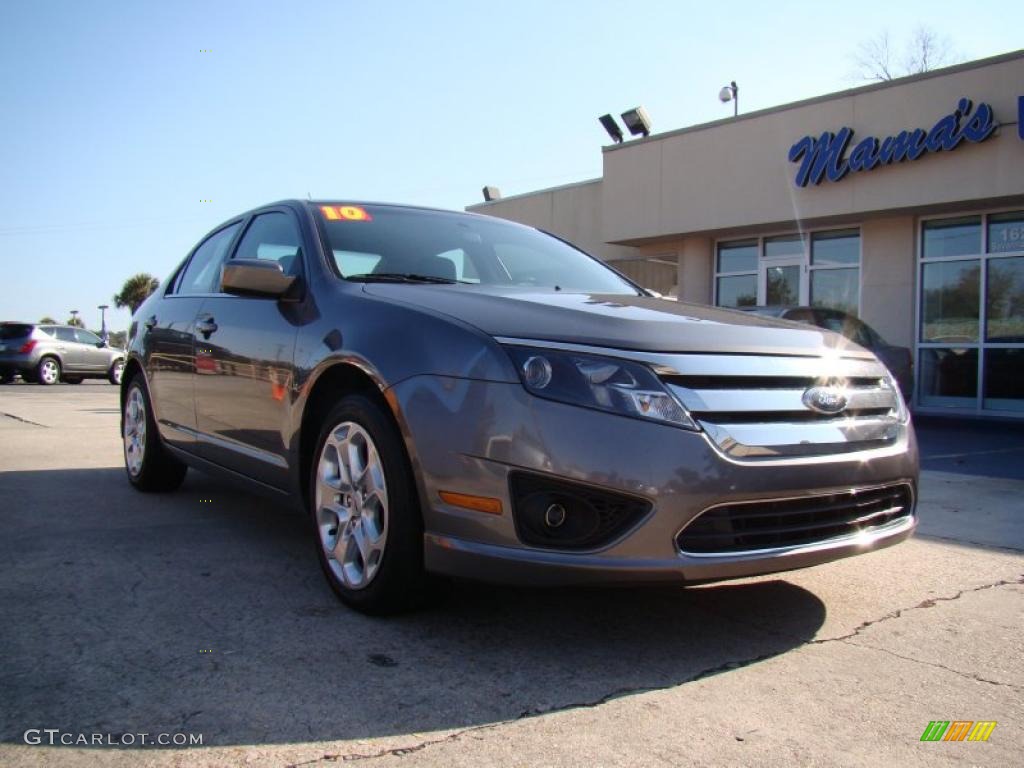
[[837, 201]]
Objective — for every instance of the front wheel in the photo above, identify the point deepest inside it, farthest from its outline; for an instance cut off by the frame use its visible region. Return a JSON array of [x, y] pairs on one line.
[[115, 372], [365, 510], [150, 467]]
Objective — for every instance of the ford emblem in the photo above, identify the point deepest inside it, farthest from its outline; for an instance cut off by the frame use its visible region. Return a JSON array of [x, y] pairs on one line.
[[828, 399]]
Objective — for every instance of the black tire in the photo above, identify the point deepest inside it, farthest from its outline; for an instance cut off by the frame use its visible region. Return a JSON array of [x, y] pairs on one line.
[[115, 372], [6, 378], [153, 469], [399, 581], [72, 379], [48, 371]]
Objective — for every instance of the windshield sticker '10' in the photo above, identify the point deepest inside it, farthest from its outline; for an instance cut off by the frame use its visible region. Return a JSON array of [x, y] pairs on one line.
[[345, 213]]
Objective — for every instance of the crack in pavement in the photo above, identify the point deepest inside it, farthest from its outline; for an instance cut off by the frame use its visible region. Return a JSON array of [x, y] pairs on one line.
[[702, 674], [24, 421], [929, 603], [968, 675]]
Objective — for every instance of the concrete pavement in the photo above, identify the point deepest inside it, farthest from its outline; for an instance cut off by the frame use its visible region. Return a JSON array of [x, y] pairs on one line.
[[204, 612]]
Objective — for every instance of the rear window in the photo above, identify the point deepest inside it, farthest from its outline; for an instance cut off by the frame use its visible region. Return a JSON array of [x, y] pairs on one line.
[[10, 331], [380, 239]]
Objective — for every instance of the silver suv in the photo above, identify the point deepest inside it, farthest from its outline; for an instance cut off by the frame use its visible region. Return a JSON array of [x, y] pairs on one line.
[[50, 353]]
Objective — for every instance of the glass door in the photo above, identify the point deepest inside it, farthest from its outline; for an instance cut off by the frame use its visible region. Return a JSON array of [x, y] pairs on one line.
[[781, 282]]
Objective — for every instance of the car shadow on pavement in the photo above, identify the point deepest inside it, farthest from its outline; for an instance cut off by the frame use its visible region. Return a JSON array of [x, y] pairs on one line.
[[204, 611]]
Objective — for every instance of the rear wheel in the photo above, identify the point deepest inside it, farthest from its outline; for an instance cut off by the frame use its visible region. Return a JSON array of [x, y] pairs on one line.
[[365, 510], [150, 467], [115, 372], [6, 378], [48, 371]]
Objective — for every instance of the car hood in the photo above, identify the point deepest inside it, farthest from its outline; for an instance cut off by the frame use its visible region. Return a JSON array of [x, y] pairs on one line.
[[623, 322]]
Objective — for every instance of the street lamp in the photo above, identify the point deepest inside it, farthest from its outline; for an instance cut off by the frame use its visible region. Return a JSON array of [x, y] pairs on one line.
[[103, 320], [74, 317], [731, 92]]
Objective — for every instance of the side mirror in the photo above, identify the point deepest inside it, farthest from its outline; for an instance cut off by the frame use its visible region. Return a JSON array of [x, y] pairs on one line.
[[101, 344], [255, 277]]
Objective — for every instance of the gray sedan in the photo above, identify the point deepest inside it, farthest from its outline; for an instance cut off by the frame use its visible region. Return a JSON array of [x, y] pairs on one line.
[[446, 393]]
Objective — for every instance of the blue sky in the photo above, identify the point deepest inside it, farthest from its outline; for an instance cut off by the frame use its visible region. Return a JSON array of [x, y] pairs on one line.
[[116, 126]]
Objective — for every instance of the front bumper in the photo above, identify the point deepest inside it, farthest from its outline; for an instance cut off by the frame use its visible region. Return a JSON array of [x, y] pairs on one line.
[[466, 436]]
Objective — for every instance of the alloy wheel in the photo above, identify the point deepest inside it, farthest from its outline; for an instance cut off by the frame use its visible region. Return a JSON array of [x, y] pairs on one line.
[[351, 505], [134, 431], [49, 371]]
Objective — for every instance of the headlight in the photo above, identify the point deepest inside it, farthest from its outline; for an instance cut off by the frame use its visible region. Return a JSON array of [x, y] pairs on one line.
[[604, 383], [902, 413]]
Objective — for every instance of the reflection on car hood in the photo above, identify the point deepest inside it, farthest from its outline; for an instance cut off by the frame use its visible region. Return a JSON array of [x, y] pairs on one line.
[[622, 322]]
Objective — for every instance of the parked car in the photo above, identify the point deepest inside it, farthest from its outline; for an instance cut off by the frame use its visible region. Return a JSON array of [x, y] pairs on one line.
[[899, 360], [448, 393], [47, 354]]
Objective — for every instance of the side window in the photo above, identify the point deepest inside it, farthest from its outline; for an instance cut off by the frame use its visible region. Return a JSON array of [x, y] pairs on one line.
[[83, 336], [202, 275], [273, 237], [65, 334]]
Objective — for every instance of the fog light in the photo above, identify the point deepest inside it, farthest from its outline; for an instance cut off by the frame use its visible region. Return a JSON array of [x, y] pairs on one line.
[[554, 516], [537, 372]]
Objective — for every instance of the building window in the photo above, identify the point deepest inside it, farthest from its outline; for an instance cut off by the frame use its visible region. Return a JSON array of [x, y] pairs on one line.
[[820, 268], [835, 270], [971, 325], [736, 274]]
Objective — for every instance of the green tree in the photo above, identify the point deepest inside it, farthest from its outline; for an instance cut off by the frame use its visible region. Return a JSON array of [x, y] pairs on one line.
[[47, 321], [75, 320], [136, 289]]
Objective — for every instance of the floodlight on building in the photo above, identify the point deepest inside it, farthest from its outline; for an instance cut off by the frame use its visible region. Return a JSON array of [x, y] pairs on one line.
[[637, 121], [612, 127], [491, 194], [731, 92]]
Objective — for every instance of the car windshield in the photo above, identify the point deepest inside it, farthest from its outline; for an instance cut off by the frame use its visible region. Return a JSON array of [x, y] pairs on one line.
[[388, 243]]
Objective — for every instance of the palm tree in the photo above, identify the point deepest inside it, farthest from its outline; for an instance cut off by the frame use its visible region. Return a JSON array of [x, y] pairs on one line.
[[136, 289]]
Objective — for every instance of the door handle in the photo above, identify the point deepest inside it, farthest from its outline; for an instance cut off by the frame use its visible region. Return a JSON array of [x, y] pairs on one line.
[[206, 326], [150, 322]]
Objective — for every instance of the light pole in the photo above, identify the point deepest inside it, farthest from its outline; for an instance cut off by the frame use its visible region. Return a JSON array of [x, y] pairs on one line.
[[74, 317], [731, 92], [103, 320]]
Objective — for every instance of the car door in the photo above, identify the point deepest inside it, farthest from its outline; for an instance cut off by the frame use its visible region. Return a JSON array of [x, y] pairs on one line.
[[244, 360], [72, 357], [93, 351], [169, 338]]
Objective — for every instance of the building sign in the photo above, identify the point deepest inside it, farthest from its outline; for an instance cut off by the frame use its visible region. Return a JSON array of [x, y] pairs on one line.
[[825, 157]]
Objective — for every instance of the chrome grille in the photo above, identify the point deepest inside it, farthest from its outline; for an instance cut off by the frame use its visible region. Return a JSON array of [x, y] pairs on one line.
[[752, 526], [754, 406]]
